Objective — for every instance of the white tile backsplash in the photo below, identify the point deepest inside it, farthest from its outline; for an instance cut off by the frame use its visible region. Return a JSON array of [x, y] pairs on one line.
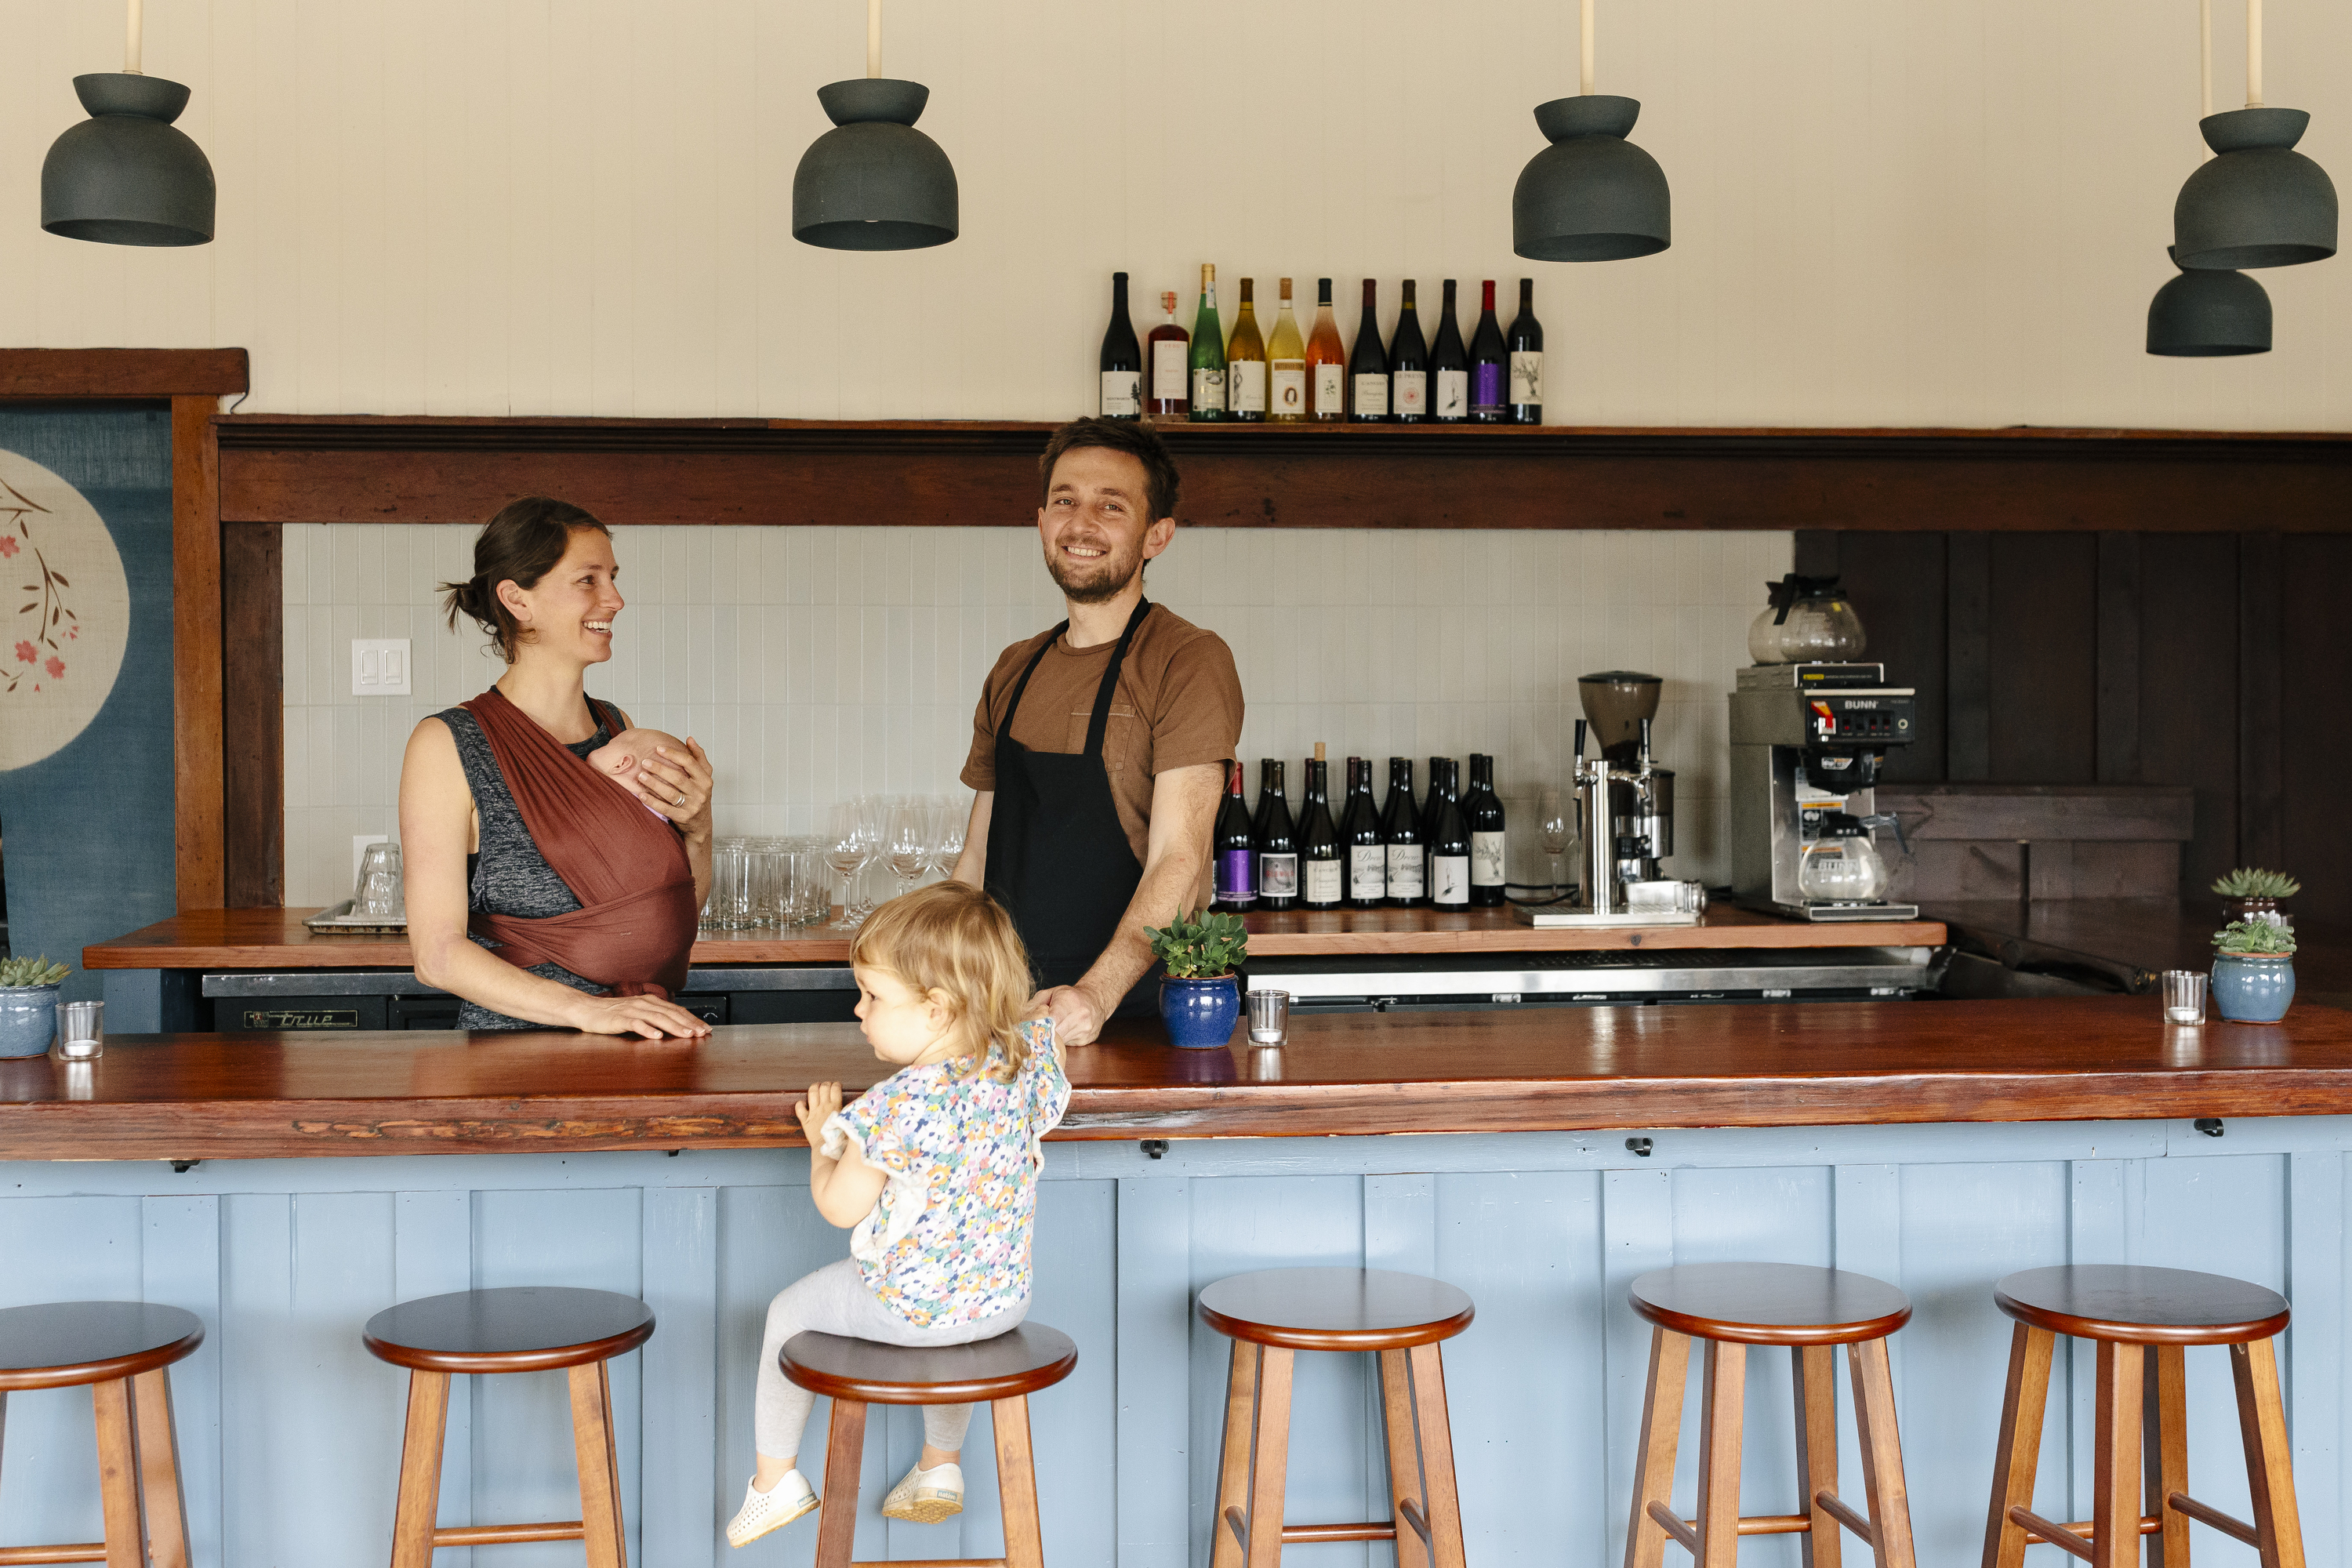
[[814, 663]]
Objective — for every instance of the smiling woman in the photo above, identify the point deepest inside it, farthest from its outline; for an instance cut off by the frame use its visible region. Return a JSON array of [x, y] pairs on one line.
[[536, 893]]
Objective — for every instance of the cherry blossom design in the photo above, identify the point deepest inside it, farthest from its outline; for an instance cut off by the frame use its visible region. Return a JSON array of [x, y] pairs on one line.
[[7, 547], [54, 621], [55, 666], [26, 653]]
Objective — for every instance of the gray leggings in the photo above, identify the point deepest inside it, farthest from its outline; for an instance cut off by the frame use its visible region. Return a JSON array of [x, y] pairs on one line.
[[834, 1300]]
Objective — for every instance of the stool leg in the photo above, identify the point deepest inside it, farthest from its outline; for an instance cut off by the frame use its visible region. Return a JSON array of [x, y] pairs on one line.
[[600, 1469], [2270, 1472], [845, 1451], [1406, 1486], [158, 1469], [1662, 1435], [2115, 1458], [1815, 1369], [1270, 1469], [1435, 1430], [1724, 1386], [1233, 1462], [420, 1470], [2164, 1438], [1882, 1454], [1016, 1484], [2022, 1406], [118, 1475]]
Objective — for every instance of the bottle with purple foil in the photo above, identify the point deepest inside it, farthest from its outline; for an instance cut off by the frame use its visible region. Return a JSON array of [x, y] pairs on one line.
[[1233, 851], [1490, 365]]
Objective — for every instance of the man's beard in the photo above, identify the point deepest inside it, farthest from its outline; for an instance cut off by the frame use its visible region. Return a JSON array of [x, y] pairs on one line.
[[1105, 580]]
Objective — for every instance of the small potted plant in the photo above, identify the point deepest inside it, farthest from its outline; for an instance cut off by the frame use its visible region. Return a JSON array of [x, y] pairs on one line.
[[28, 1004], [1201, 996], [2254, 971], [2252, 894]]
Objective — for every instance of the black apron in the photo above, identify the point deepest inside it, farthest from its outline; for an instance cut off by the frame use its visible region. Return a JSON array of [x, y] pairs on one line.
[[1057, 857]]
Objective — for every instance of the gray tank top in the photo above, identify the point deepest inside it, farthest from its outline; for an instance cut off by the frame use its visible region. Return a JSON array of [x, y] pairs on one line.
[[506, 875]]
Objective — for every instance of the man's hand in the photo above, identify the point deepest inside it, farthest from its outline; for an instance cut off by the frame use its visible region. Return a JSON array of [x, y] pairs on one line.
[[824, 1100], [1077, 1014]]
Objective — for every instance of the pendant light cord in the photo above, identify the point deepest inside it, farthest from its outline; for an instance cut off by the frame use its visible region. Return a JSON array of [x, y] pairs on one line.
[[131, 31], [1583, 46], [2204, 60], [872, 37], [2254, 53]]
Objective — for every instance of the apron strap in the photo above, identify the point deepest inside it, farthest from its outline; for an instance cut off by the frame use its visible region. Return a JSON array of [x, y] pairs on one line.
[[1100, 723]]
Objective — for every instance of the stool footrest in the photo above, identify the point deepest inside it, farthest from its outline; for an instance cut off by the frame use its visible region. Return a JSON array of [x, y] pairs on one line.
[[1381, 1531], [2058, 1535], [2204, 1513], [1673, 1526], [501, 1534], [81, 1552], [1686, 1530], [1838, 1509], [934, 1563]]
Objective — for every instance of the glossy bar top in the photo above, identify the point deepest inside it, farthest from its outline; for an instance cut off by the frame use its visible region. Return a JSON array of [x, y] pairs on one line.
[[1779, 1064], [277, 939]]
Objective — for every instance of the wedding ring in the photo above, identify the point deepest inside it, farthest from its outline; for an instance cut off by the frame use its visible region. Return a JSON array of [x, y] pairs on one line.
[[679, 801]]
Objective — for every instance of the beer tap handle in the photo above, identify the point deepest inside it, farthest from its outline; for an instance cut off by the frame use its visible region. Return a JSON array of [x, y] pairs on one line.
[[1645, 745], [1579, 768]]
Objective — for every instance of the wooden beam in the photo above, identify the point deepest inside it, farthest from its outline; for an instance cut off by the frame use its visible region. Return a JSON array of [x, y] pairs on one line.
[[197, 773], [121, 372], [253, 715]]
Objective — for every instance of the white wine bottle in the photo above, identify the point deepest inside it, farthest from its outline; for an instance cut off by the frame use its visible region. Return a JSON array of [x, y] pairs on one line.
[[1285, 367]]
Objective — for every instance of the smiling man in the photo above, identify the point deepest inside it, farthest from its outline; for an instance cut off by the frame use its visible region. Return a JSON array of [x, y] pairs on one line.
[[1098, 748]]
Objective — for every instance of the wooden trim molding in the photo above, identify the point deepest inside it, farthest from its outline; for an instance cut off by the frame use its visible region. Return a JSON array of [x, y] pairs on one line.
[[121, 373], [198, 780]]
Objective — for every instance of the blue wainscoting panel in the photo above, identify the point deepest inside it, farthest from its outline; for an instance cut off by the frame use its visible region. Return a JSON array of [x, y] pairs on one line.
[[290, 1432]]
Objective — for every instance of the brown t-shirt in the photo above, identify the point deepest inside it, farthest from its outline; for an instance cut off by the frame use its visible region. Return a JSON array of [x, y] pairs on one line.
[[1178, 704]]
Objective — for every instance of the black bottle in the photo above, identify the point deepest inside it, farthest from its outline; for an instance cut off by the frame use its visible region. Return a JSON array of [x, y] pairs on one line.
[[1322, 876], [1449, 855], [1122, 362], [1483, 807], [1449, 367], [1526, 343], [1359, 827], [1277, 844], [1236, 864], [1401, 835], [1408, 365]]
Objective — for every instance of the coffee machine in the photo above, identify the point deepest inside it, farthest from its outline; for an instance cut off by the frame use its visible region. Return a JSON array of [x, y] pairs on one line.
[[1625, 815], [1807, 745]]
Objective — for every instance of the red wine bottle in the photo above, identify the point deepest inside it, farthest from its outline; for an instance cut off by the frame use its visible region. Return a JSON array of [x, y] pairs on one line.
[[1236, 884], [1122, 359], [1449, 856], [1277, 846], [1449, 368], [1171, 369], [1483, 807], [1322, 878], [1525, 345], [1359, 826], [1368, 366], [1401, 836], [1490, 364], [1408, 368]]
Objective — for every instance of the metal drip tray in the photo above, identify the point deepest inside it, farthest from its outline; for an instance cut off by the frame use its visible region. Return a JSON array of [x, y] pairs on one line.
[[1611, 977]]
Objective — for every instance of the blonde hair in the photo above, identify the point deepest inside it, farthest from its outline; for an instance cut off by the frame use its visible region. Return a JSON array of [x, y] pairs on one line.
[[953, 938]]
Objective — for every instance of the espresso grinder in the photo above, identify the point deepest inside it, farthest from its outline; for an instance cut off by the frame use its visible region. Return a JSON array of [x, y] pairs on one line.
[[1807, 745], [1625, 815]]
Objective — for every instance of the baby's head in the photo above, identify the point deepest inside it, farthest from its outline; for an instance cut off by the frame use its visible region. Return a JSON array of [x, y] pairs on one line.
[[619, 758], [943, 960]]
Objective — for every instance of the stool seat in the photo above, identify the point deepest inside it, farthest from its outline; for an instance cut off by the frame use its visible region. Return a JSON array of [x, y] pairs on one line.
[[523, 1328], [1770, 1303], [63, 1344], [2141, 1306], [1335, 1309], [1029, 1358]]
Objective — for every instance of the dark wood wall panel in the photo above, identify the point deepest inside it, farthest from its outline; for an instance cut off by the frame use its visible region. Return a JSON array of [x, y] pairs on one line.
[[1897, 584], [2187, 697], [253, 713], [2316, 750], [2041, 675]]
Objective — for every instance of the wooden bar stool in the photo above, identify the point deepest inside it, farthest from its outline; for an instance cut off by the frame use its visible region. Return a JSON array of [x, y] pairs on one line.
[[1398, 1317], [120, 1349], [2142, 1400], [1004, 1372], [1732, 1306], [519, 1329]]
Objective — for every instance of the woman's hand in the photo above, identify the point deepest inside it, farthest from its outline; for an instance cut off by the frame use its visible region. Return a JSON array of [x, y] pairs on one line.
[[647, 1016], [679, 786], [824, 1100]]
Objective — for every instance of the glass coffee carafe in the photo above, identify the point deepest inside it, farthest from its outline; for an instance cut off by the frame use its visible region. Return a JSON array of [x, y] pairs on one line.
[[1810, 620], [1842, 866]]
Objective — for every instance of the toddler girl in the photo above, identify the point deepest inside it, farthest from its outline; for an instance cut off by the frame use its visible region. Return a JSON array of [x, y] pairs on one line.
[[935, 1167]]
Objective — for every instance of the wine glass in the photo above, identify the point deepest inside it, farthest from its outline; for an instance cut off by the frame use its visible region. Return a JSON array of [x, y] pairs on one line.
[[848, 851], [906, 843], [1558, 823], [947, 836]]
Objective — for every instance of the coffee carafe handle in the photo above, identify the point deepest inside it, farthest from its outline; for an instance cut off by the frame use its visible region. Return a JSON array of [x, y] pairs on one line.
[[1887, 819]]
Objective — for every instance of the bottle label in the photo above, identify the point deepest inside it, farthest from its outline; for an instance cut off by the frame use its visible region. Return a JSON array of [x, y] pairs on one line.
[[1168, 367], [1290, 388], [1486, 388], [1453, 393], [1373, 397], [1330, 389], [1277, 876], [1323, 881], [1411, 392], [1122, 392], [1449, 877], [1248, 385], [1208, 390], [1233, 877], [1405, 880], [1486, 859], [1368, 871], [1527, 375]]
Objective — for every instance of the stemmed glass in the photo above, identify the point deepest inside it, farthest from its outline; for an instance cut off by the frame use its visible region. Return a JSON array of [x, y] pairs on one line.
[[908, 845], [949, 818], [852, 838], [1555, 830]]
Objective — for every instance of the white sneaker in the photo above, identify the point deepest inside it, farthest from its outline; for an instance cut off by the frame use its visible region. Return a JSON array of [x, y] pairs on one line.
[[927, 1497], [763, 1511]]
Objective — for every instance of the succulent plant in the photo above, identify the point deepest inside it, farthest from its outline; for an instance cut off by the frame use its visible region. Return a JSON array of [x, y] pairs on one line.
[[2254, 938], [1201, 947], [16, 972], [2247, 882]]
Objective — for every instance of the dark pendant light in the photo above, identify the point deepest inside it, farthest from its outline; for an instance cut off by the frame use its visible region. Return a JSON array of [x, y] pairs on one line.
[[1592, 195], [2257, 202], [127, 175], [874, 182], [2204, 314]]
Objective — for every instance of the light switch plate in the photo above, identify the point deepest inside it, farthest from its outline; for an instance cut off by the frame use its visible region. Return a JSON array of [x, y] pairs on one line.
[[380, 667]]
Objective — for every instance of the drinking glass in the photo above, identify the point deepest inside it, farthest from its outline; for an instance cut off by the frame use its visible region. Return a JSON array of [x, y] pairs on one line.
[[2184, 996], [951, 817], [730, 886], [909, 842], [767, 880], [1269, 1017], [1558, 823], [81, 1031], [377, 892], [851, 840], [810, 897]]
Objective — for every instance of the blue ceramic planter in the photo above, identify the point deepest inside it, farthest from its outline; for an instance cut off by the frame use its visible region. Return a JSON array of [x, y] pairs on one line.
[[2253, 989], [28, 1019], [1201, 1014]]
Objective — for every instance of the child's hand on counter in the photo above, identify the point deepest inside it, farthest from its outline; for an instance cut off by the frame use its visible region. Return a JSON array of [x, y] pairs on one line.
[[822, 1100]]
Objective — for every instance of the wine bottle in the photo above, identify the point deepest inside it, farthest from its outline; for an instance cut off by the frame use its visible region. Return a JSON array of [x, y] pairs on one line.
[[1277, 848], [1408, 366], [1327, 360], [1526, 343], [1265, 766], [1483, 807], [1172, 347], [1368, 367], [1449, 856], [1321, 880], [1401, 837], [1208, 352], [1449, 368], [1122, 359], [1235, 883], [1440, 788], [1360, 826], [1245, 363], [1490, 362], [1285, 367]]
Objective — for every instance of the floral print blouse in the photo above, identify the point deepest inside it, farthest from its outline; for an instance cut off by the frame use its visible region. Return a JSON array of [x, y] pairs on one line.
[[948, 1241]]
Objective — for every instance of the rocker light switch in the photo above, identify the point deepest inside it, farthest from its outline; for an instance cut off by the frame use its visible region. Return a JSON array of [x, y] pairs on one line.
[[380, 667]]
